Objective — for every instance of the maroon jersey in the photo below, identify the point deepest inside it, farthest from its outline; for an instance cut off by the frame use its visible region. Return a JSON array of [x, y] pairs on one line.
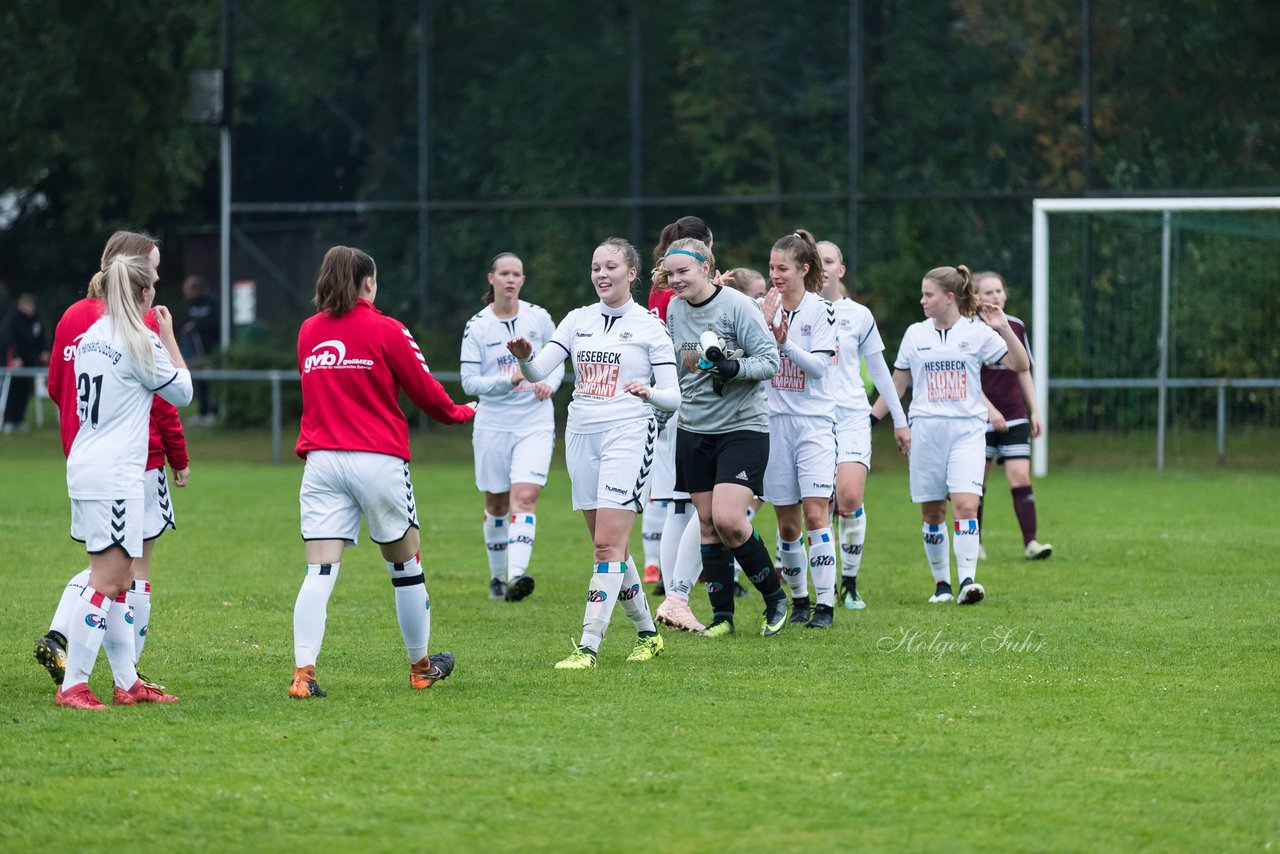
[[166, 438], [1000, 384], [353, 368]]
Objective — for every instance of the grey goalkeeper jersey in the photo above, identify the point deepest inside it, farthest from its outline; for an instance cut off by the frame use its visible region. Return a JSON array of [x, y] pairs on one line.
[[737, 319]]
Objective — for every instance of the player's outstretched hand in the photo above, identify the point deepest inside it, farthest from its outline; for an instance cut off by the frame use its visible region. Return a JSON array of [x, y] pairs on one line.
[[520, 347], [994, 316], [774, 316], [902, 435]]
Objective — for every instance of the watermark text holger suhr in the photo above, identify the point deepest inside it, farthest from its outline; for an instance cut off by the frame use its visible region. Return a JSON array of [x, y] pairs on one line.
[[1004, 640]]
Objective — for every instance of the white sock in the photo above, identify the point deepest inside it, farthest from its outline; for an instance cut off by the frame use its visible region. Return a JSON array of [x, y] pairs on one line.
[[602, 595], [632, 599], [688, 559], [853, 533], [793, 566], [524, 526], [118, 643], [413, 606], [822, 564], [935, 551], [311, 610], [672, 531], [67, 603], [651, 525], [495, 540], [139, 601], [85, 633], [966, 544]]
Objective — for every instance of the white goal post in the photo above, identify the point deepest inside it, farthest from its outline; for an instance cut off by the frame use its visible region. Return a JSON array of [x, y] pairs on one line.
[[1041, 209]]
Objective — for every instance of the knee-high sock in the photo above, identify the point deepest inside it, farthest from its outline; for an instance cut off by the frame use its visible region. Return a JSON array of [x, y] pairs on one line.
[[935, 551], [794, 563], [413, 606], [139, 601], [966, 548], [755, 561], [737, 567], [495, 541], [61, 622], [678, 516], [632, 599], [853, 533], [520, 543], [717, 572], [85, 633], [310, 611], [822, 564], [688, 559], [118, 643], [1024, 506], [651, 526], [602, 595]]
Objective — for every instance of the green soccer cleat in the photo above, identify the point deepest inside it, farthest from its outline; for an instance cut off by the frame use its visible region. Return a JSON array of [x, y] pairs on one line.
[[580, 659], [775, 616], [850, 599], [646, 647], [719, 628]]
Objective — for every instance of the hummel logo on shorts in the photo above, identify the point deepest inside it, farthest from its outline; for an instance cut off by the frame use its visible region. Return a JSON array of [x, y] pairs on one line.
[[742, 475]]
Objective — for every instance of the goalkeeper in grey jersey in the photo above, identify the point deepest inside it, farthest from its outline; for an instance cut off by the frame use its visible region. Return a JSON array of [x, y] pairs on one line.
[[724, 352]]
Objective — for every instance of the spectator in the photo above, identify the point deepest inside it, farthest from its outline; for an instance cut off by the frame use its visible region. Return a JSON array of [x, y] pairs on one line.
[[25, 346], [200, 340]]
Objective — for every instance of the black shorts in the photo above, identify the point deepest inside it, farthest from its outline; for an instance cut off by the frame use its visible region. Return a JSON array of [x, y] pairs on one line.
[[1012, 444], [705, 459]]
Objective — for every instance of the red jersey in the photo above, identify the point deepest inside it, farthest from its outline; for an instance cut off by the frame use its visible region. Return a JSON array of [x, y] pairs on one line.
[[353, 368], [1001, 385], [166, 438], [659, 299]]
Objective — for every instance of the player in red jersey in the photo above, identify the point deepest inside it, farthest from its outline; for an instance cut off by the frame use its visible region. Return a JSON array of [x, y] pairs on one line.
[[166, 441], [355, 361], [1012, 422]]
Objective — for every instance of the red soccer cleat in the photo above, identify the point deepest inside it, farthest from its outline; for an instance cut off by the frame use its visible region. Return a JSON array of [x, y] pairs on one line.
[[141, 692], [652, 575], [78, 697]]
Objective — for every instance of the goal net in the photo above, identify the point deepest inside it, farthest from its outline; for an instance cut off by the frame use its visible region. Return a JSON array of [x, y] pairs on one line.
[[1156, 319]]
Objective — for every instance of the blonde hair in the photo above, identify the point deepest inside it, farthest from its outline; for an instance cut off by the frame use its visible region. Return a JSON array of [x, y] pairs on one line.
[[120, 243], [739, 277], [960, 282], [694, 245], [123, 283]]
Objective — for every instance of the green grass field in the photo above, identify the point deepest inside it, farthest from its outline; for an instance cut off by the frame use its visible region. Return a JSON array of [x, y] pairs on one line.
[[1121, 696]]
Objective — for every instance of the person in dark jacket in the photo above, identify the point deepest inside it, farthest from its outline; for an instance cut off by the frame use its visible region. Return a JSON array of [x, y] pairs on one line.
[[25, 346]]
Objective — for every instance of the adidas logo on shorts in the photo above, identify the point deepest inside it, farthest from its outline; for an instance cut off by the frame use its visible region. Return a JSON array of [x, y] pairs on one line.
[[742, 475]]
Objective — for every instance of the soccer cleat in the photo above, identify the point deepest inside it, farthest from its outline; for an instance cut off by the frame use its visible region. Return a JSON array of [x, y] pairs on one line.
[[497, 588], [941, 593], [740, 592], [51, 652], [719, 628], [823, 617], [304, 683], [675, 612], [1038, 551], [659, 589], [800, 610], [151, 682], [849, 597], [78, 697], [141, 692], [775, 616], [971, 592], [646, 647], [519, 587], [652, 574], [430, 670], [581, 658]]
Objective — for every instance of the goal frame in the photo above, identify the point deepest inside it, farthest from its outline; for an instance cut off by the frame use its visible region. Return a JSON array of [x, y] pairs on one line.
[[1041, 209]]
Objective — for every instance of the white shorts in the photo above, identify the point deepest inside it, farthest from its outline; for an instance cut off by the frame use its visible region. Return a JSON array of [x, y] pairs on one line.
[[157, 505], [101, 523], [802, 459], [612, 468], [340, 487], [853, 441], [662, 486], [505, 457], [948, 455]]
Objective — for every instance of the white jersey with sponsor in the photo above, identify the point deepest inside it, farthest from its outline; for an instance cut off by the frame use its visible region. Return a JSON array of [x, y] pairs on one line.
[[793, 390], [609, 347], [946, 367], [487, 367], [108, 458], [857, 337]]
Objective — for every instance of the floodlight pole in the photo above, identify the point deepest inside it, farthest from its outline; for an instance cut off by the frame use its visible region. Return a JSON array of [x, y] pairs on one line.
[[224, 157]]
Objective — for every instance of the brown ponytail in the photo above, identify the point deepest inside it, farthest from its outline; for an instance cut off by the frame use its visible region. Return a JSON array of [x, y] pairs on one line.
[[960, 282], [342, 272]]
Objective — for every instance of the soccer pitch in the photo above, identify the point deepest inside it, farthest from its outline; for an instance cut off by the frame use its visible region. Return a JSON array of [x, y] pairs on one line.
[[1121, 695]]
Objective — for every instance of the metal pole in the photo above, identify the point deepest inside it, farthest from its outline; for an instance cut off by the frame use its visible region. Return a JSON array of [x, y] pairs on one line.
[[224, 158], [275, 418], [1222, 423], [855, 140], [1040, 343], [424, 155], [637, 141], [1086, 93], [1162, 372]]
